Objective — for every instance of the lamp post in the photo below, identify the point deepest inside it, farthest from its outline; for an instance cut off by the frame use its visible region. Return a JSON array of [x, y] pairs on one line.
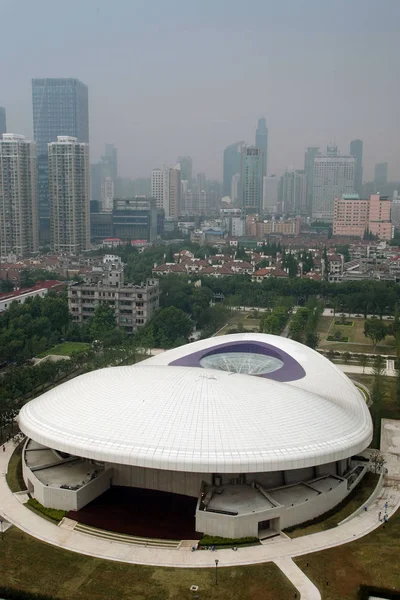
[[216, 571]]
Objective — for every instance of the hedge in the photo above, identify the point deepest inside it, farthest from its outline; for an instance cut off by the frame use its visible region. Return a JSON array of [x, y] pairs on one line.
[[215, 540], [52, 513], [345, 324]]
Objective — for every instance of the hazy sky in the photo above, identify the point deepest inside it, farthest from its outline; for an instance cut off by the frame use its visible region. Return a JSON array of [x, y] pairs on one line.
[[172, 77]]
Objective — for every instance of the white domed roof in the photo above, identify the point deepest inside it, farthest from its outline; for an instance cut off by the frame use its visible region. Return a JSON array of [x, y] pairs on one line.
[[189, 418]]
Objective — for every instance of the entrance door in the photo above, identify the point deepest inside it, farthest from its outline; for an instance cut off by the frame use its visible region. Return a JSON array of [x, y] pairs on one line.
[[264, 525]]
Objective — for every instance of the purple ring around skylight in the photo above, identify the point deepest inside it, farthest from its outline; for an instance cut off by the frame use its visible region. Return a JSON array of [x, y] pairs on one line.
[[290, 371]]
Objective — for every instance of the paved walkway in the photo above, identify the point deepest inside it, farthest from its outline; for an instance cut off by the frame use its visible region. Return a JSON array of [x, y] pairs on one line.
[[308, 591], [328, 312], [389, 371], [279, 550]]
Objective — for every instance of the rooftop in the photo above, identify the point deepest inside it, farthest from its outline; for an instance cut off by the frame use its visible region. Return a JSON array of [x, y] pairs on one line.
[[169, 412]]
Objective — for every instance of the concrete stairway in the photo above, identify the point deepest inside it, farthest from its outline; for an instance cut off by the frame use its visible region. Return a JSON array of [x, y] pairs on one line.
[[127, 539]]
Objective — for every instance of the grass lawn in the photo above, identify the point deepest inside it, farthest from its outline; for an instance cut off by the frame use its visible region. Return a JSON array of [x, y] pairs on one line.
[[30, 565], [350, 504], [357, 341], [371, 560], [243, 319], [323, 327], [66, 349], [14, 474]]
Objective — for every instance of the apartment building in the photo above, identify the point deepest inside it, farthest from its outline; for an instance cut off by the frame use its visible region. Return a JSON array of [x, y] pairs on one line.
[[133, 305], [18, 204], [354, 216], [69, 177]]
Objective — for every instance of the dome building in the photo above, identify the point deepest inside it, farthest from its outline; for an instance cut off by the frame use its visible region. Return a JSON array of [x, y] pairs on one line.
[[258, 429]]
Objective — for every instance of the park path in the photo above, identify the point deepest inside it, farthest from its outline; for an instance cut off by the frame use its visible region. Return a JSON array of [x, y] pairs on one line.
[[390, 371], [328, 312], [305, 587]]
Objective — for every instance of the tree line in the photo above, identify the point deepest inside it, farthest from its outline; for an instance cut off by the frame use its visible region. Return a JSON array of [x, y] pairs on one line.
[[22, 383], [356, 297]]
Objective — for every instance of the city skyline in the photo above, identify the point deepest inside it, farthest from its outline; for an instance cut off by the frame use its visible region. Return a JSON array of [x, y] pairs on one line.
[[150, 127]]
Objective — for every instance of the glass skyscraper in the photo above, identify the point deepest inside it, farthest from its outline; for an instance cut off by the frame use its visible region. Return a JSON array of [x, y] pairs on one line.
[[262, 141], [60, 107], [232, 155]]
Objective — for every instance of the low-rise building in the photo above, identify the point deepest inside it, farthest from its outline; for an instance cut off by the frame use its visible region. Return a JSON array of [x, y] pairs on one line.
[[265, 273], [260, 229], [133, 305], [41, 289]]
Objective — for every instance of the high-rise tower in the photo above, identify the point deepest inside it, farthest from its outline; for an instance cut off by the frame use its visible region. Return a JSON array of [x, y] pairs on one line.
[[232, 158], [356, 150], [262, 141], [333, 176], [60, 108], [292, 192], [251, 180], [309, 157], [3, 121], [380, 175], [166, 189], [18, 207], [186, 164], [69, 176]]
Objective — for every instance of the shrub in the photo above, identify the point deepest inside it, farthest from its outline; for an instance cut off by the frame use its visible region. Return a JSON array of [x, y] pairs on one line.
[[215, 540], [51, 513], [331, 338]]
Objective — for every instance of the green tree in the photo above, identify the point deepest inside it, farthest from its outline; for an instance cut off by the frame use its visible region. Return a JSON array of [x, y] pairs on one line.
[[26, 279], [375, 330], [102, 322], [343, 249], [346, 357], [298, 324], [271, 324], [326, 264], [166, 327], [363, 361], [312, 340], [275, 321], [241, 253], [6, 285], [377, 396]]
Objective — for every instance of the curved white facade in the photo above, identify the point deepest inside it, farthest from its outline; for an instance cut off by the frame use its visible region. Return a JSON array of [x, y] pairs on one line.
[[170, 424], [204, 420]]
